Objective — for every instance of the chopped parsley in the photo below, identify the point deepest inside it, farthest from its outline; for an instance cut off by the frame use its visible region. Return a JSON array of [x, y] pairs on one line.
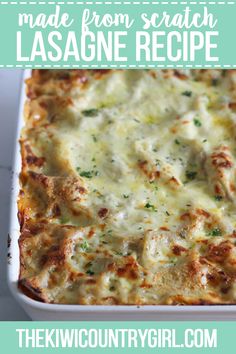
[[119, 253], [155, 186], [218, 198], [197, 122], [150, 206], [177, 142], [112, 288], [90, 112], [173, 261], [90, 272], [86, 174], [126, 196], [215, 232], [94, 138], [204, 141], [89, 174], [167, 213], [191, 175], [85, 246], [108, 233], [187, 93]]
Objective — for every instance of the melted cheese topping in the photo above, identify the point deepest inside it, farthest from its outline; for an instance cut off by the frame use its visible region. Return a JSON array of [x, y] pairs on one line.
[[128, 187]]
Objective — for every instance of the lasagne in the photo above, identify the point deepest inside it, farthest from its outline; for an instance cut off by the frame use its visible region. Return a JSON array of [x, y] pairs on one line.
[[128, 187]]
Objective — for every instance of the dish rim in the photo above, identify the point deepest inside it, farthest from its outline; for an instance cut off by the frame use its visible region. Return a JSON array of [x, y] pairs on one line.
[[14, 260]]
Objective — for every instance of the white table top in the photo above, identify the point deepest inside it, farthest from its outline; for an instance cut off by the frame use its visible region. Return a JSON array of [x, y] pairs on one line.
[[9, 98]]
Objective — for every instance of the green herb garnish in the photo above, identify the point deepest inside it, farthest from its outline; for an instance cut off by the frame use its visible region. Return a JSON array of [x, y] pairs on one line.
[[119, 253], [218, 198], [187, 93], [191, 175], [90, 272], [90, 112], [150, 206], [173, 261], [215, 232], [197, 122], [126, 196], [94, 138], [177, 142], [85, 246], [86, 174], [89, 174]]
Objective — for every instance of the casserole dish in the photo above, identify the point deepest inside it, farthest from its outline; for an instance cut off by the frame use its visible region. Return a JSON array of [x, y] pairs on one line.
[[42, 311]]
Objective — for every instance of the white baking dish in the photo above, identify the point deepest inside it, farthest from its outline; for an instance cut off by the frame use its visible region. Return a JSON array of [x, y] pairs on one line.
[[40, 311]]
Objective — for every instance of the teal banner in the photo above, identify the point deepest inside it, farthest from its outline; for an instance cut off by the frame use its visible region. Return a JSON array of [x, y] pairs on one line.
[[119, 337], [118, 34]]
